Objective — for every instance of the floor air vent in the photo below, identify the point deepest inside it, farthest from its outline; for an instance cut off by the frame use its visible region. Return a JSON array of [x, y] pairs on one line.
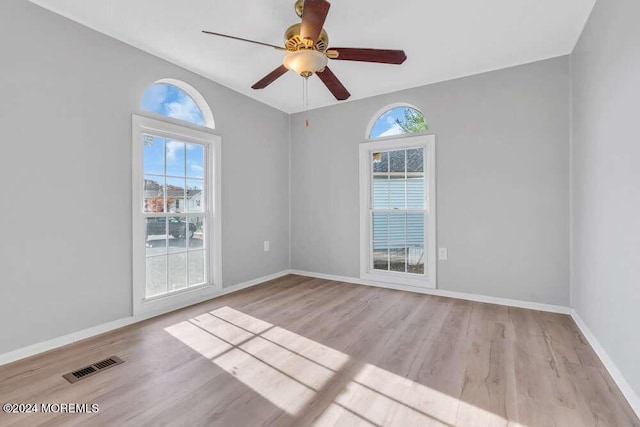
[[88, 371]]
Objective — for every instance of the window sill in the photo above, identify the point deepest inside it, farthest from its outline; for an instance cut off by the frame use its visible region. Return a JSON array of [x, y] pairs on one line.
[[402, 279], [175, 300]]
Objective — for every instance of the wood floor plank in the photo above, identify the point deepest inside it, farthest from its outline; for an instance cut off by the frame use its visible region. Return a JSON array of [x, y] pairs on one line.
[[298, 351]]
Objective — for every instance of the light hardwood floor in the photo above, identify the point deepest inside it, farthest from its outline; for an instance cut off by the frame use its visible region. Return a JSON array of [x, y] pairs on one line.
[[302, 351]]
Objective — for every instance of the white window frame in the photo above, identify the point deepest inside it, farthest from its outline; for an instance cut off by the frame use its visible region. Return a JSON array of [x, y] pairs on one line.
[[428, 142], [212, 212]]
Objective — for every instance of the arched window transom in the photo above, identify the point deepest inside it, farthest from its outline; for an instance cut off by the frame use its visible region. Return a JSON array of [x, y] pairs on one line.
[[398, 120], [177, 100]]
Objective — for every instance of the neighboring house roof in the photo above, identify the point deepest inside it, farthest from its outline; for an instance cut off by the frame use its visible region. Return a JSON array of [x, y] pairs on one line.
[[390, 161], [394, 130], [154, 189]]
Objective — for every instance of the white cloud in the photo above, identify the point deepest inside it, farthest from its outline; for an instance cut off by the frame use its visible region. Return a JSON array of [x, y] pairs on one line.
[[172, 148], [184, 109], [154, 97]]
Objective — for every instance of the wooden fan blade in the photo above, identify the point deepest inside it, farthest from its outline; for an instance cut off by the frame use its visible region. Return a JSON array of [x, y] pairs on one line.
[[270, 78], [243, 40], [313, 16], [383, 56], [333, 84]]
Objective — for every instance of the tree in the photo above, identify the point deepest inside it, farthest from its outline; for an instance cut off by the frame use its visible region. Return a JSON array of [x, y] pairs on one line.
[[156, 204], [413, 122]]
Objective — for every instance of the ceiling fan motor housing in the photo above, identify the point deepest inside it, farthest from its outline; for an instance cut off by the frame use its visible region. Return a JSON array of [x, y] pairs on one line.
[[294, 42]]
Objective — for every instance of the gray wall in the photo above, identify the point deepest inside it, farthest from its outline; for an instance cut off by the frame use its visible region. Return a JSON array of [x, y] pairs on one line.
[[502, 181], [606, 181], [65, 170]]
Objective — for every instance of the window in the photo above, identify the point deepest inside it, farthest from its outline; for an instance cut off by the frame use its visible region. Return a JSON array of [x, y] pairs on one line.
[[398, 120], [176, 242], [398, 210], [176, 221]]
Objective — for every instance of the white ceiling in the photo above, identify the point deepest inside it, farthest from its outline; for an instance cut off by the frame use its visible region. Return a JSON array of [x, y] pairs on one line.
[[443, 39]]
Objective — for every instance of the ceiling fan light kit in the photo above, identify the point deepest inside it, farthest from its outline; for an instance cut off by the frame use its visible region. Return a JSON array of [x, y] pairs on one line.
[[305, 62], [308, 51]]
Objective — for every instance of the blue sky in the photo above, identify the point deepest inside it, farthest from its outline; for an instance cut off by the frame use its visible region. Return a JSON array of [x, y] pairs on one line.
[[176, 151], [168, 100]]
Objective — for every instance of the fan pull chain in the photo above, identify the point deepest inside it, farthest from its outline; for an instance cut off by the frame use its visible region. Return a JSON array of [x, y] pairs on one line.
[[305, 100]]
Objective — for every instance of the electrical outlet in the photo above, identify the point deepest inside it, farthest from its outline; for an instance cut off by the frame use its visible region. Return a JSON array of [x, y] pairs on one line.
[[267, 247], [443, 254]]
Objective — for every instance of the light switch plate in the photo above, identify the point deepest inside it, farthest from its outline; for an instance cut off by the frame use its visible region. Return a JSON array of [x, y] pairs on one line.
[[443, 254]]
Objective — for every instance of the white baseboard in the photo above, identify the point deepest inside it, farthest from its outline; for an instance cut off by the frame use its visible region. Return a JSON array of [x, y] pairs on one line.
[[609, 364], [51, 344], [439, 292]]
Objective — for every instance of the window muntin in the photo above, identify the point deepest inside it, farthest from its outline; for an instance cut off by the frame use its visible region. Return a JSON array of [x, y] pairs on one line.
[[398, 121], [397, 210], [174, 188], [171, 101]]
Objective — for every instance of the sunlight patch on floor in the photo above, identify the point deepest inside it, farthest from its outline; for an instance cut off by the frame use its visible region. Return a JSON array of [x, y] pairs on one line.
[[280, 389], [222, 329], [312, 350], [386, 398], [242, 320], [336, 415], [201, 341], [289, 370], [303, 370]]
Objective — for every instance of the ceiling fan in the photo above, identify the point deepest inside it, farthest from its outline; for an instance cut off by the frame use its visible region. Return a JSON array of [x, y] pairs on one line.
[[307, 50]]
